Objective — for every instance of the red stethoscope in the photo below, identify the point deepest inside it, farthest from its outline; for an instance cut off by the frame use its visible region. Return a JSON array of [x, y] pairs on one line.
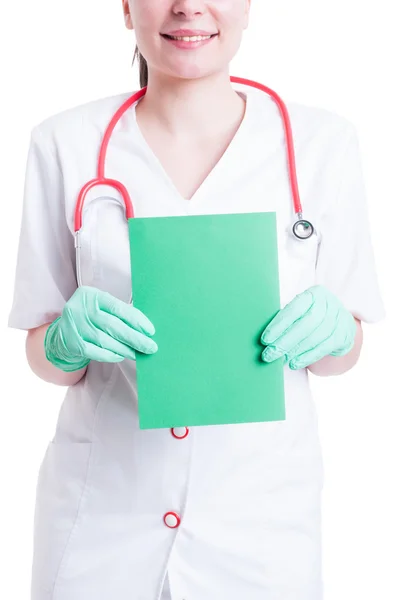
[[302, 229]]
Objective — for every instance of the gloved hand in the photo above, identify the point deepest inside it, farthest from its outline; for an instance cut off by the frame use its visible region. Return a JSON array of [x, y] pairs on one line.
[[314, 324], [95, 325]]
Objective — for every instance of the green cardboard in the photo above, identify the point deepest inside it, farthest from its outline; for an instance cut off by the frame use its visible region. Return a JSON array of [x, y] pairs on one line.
[[210, 285]]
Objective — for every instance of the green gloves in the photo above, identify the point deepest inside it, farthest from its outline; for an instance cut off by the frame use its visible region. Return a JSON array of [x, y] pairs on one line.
[[313, 325], [97, 326]]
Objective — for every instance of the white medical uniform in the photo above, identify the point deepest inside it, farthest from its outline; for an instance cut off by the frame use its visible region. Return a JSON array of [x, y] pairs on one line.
[[248, 496]]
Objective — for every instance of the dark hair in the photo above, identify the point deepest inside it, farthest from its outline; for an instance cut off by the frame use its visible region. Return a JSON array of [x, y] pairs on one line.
[[143, 67]]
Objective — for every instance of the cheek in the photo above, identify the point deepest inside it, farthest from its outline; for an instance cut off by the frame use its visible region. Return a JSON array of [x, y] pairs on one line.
[[232, 20], [146, 15], [232, 12]]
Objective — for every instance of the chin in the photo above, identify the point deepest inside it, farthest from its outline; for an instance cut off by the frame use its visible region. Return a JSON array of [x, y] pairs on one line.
[[192, 72]]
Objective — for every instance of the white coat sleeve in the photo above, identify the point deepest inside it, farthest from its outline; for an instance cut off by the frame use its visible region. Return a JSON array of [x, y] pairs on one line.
[[45, 274], [345, 262]]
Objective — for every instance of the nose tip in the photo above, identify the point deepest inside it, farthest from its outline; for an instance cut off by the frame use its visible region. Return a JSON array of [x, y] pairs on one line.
[[188, 8]]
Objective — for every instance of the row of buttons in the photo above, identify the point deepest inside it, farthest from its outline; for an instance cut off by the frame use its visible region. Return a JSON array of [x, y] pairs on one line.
[[171, 519]]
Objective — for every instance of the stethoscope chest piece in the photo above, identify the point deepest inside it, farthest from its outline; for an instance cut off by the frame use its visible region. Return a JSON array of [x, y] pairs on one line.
[[303, 229]]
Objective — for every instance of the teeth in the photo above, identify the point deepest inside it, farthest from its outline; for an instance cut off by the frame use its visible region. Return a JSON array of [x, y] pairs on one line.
[[195, 38]]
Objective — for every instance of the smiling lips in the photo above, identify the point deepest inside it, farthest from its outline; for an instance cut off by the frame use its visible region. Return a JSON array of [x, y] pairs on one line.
[[186, 41]]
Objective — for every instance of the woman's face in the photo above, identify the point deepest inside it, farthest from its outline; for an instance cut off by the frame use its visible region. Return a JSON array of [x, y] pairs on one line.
[[151, 19]]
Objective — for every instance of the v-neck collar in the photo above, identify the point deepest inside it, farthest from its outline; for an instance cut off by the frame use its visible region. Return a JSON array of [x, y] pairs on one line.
[[223, 168]]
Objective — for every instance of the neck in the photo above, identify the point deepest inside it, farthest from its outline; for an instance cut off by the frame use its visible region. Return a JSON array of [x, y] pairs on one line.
[[184, 108]]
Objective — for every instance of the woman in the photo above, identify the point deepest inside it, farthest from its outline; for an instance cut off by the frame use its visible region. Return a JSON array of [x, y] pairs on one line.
[[208, 512]]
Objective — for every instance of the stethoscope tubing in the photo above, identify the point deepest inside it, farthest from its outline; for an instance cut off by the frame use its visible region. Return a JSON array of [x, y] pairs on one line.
[[101, 179]]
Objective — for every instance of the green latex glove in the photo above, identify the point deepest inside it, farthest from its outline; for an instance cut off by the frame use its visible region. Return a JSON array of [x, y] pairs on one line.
[[313, 325], [97, 326]]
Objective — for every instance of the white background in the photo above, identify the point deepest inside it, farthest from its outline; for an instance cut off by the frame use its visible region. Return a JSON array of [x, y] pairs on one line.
[[336, 54]]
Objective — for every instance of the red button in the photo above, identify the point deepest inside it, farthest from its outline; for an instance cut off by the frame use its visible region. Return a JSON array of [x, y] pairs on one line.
[[172, 520], [180, 432]]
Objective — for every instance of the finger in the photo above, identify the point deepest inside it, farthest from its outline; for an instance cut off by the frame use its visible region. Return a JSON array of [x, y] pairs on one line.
[[324, 331], [271, 353], [138, 341], [129, 314], [287, 316], [117, 330], [98, 354], [300, 333], [307, 358], [344, 350], [311, 356], [323, 342], [348, 335]]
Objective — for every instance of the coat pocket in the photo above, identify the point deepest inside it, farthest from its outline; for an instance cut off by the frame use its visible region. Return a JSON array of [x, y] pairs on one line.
[[60, 494]]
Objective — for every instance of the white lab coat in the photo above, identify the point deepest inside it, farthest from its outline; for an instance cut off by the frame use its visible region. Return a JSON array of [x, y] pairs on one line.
[[248, 495]]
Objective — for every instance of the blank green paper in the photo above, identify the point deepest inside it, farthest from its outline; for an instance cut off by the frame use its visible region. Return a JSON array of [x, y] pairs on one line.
[[210, 285]]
